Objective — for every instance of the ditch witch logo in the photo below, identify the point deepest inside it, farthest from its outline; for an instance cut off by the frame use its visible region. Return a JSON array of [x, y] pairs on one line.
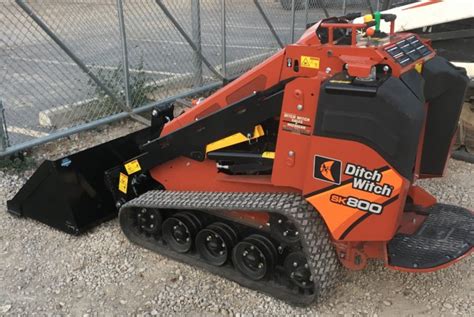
[[327, 169], [368, 180]]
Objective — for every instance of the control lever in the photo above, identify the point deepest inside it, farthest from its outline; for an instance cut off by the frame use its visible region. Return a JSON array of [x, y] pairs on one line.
[[388, 17], [352, 16]]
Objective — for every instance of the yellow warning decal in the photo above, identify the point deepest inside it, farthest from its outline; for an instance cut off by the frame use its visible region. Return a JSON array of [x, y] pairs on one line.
[[419, 67], [133, 167], [309, 62], [335, 81], [235, 139], [268, 155], [123, 183]]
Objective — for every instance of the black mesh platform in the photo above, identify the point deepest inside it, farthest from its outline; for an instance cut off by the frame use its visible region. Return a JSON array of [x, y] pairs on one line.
[[446, 234]]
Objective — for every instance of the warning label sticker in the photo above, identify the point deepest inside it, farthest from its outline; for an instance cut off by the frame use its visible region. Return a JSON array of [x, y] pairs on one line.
[[309, 62], [133, 167], [123, 183], [296, 123]]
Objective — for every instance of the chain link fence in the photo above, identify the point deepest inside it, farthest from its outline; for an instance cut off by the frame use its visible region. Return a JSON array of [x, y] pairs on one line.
[[71, 65]]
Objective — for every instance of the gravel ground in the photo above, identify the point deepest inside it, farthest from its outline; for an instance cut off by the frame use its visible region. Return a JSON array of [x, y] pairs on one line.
[[43, 271]]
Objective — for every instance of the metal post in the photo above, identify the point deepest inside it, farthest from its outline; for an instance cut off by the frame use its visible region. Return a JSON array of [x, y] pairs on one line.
[[344, 7], [386, 4], [27, 9], [293, 8], [196, 36], [306, 6], [187, 38], [4, 143], [323, 6], [123, 40], [369, 5], [267, 21], [223, 40]]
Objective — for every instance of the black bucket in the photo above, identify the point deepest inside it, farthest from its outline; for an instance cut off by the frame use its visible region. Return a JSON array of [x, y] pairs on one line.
[[71, 193]]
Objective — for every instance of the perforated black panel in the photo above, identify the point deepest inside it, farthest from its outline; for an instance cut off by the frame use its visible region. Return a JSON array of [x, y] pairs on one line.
[[408, 50]]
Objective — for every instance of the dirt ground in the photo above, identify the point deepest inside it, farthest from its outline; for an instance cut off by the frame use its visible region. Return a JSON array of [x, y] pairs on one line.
[[44, 271]]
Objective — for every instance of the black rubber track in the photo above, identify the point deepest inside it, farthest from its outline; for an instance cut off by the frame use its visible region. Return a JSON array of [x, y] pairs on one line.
[[315, 240]]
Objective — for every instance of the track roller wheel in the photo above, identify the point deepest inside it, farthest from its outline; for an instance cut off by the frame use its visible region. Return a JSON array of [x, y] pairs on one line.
[[298, 271], [255, 257], [284, 229], [194, 220], [179, 231], [215, 242], [149, 220]]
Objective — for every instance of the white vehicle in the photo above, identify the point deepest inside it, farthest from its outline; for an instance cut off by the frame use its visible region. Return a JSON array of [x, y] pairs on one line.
[[448, 23]]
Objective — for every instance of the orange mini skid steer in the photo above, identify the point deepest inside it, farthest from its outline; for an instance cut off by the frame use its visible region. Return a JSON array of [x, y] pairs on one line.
[[306, 162]]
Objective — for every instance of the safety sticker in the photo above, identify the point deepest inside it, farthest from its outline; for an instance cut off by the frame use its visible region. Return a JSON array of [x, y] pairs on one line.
[[268, 155], [123, 183], [309, 62], [297, 124], [133, 167], [337, 81], [419, 67]]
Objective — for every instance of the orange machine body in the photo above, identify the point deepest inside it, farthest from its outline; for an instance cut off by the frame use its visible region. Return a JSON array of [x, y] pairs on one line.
[[359, 221]]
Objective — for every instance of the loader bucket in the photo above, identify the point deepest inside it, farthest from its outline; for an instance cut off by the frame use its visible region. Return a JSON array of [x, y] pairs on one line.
[[70, 193]]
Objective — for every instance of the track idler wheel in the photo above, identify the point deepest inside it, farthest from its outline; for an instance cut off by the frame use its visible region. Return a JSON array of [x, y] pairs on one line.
[[179, 231], [149, 221], [215, 243], [298, 271], [255, 257], [283, 229]]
